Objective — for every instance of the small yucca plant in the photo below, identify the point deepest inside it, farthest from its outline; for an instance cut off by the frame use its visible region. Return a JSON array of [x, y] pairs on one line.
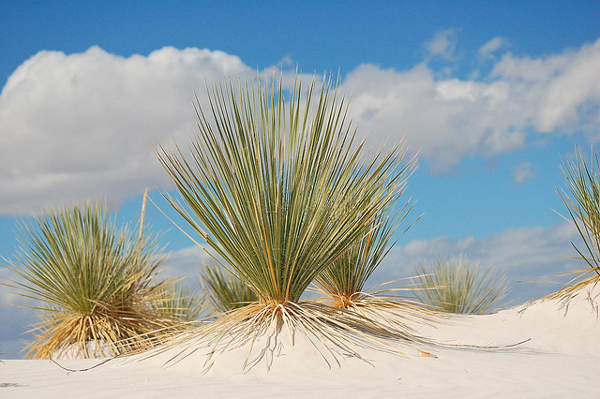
[[455, 286], [344, 280], [582, 199], [178, 303], [278, 187], [225, 291], [95, 283]]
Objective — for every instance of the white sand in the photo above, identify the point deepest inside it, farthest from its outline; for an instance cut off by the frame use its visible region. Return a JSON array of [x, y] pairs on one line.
[[561, 359]]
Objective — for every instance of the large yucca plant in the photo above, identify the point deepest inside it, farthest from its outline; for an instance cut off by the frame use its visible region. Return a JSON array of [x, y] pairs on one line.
[[276, 184], [582, 200], [224, 290], [456, 286], [94, 283]]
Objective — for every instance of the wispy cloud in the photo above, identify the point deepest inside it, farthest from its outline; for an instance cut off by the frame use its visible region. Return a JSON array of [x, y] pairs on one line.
[[524, 172], [442, 45], [488, 49]]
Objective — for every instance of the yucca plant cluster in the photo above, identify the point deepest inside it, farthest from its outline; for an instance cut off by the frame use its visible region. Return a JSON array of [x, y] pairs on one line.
[[283, 194], [280, 189], [95, 282], [278, 192]]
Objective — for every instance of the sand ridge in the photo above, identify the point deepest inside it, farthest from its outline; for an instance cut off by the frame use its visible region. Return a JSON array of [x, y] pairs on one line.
[[561, 358]]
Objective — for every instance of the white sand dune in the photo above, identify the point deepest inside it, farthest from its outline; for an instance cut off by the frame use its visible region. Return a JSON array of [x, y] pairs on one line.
[[561, 358]]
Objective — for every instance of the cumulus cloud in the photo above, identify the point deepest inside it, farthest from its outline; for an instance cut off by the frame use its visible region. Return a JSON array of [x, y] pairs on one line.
[[83, 125], [524, 172], [488, 49], [525, 254], [450, 119], [565, 86], [447, 119]]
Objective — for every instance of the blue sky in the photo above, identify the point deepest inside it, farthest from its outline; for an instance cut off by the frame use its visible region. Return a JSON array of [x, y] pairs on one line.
[[492, 93]]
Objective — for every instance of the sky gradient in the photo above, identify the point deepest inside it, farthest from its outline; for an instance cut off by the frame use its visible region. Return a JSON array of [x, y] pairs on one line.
[[493, 95]]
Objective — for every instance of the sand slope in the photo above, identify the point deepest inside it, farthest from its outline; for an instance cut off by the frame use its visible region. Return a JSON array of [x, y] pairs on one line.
[[560, 359]]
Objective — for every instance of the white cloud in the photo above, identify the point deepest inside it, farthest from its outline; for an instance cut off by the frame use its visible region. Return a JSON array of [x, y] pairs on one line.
[[450, 119], [525, 254], [565, 88], [524, 172], [488, 49], [83, 125], [187, 263], [442, 45]]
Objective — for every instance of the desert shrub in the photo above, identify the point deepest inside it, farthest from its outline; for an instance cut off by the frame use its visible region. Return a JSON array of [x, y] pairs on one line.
[[95, 283], [278, 187], [455, 286], [278, 191], [224, 290], [582, 200]]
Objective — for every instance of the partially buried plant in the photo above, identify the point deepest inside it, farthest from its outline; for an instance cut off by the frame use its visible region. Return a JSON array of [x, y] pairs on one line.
[[224, 290], [343, 282], [277, 185], [95, 283], [177, 303], [582, 199], [455, 286]]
